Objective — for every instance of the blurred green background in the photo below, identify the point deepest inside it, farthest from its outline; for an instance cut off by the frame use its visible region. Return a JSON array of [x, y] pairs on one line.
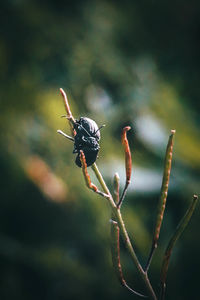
[[121, 63]]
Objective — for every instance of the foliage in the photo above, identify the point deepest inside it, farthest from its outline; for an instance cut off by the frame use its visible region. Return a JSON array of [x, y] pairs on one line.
[[125, 63]]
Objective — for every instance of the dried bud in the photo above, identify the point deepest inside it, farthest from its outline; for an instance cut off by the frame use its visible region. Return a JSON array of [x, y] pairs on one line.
[[128, 160], [128, 163], [116, 187]]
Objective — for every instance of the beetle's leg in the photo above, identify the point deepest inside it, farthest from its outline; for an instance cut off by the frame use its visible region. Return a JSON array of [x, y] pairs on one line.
[[65, 135]]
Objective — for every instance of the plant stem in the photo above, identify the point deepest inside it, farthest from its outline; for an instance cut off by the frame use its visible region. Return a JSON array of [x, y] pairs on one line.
[[124, 234], [129, 246], [103, 184], [115, 252]]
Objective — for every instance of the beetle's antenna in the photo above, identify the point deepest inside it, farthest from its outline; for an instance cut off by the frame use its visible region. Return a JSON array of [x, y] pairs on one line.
[[65, 135], [100, 128]]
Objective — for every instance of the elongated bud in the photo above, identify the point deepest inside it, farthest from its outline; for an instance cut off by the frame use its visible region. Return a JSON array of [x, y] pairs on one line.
[[163, 196], [165, 185], [128, 160], [116, 187], [128, 163]]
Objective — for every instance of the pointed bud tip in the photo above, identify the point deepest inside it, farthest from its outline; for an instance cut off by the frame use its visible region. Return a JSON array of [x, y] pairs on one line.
[[127, 128], [63, 92], [116, 175], [173, 131]]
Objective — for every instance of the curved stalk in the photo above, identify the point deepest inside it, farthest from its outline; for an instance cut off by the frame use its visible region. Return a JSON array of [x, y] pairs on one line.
[[115, 252]]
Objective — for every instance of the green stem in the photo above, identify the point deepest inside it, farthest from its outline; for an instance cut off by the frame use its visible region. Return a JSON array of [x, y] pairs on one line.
[[124, 234], [103, 184]]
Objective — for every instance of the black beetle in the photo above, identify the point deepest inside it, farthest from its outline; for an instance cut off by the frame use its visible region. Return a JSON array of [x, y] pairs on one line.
[[87, 139]]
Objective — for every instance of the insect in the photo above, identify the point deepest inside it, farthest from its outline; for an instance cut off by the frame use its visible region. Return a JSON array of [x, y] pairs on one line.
[[87, 139]]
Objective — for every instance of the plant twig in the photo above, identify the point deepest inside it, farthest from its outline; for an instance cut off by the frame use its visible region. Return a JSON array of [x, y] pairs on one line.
[[115, 252], [124, 234], [179, 230], [106, 194], [67, 107], [103, 184], [86, 175], [70, 117], [115, 242], [163, 197]]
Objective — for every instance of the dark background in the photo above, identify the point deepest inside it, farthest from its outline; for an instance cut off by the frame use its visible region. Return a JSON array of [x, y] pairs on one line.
[[121, 63]]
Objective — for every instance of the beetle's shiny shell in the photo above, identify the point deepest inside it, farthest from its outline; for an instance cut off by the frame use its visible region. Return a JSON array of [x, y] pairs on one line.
[[86, 139], [90, 126]]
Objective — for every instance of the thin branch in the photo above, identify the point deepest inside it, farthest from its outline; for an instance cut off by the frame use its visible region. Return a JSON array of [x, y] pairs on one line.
[[163, 197], [103, 184], [115, 252], [69, 117], [67, 107], [86, 175], [106, 194], [124, 234], [128, 163], [179, 230]]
